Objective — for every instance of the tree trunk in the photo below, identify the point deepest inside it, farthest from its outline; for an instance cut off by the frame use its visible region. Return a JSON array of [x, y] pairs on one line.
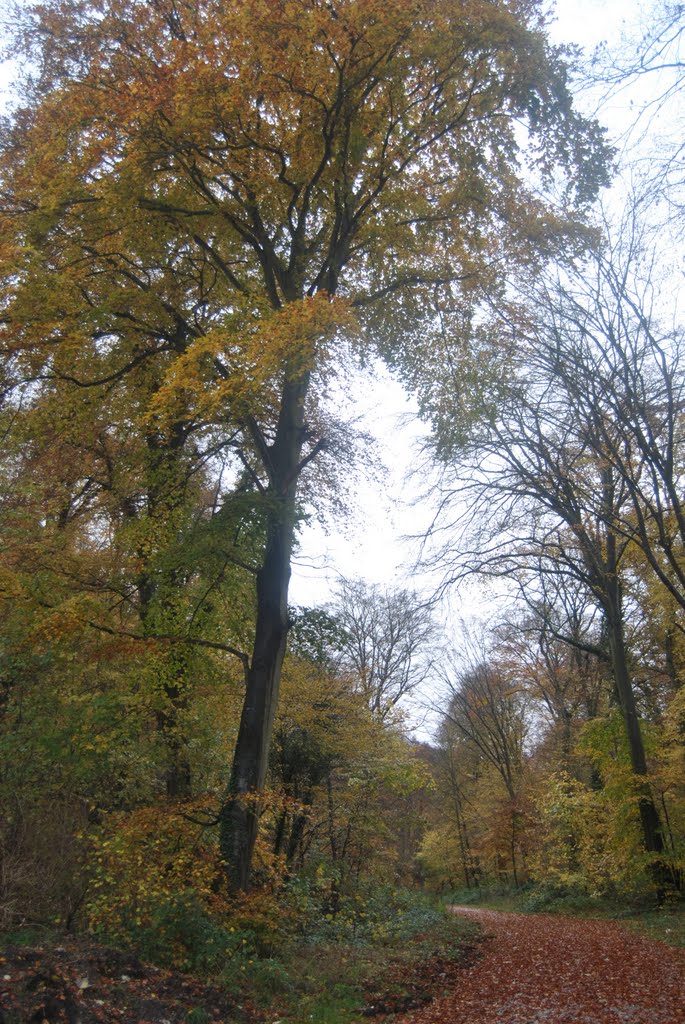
[[295, 841], [158, 600], [649, 817], [177, 775], [175, 695], [463, 845], [239, 816], [613, 613], [462, 834], [279, 838]]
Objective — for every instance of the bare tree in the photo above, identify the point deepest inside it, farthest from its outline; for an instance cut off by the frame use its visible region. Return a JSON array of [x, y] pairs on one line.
[[488, 709], [389, 641], [647, 67], [580, 460], [551, 653], [623, 373]]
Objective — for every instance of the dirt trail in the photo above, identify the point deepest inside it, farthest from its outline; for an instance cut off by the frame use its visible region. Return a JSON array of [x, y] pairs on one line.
[[539, 969]]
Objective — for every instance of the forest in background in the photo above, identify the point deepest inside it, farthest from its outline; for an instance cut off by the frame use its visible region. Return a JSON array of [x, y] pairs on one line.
[[209, 213]]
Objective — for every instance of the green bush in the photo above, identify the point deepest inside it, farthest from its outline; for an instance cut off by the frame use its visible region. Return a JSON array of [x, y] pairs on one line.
[[371, 914], [557, 899], [180, 933]]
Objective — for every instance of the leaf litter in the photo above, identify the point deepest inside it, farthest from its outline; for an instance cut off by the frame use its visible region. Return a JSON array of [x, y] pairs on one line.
[[544, 969]]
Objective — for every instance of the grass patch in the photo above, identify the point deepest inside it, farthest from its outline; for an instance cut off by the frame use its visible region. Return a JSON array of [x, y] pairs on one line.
[[27, 935], [667, 923]]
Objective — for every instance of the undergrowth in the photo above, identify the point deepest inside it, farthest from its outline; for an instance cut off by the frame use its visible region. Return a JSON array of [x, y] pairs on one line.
[[383, 950], [311, 952]]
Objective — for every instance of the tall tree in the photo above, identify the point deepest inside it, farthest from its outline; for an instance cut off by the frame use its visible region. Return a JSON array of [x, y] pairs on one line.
[[550, 495], [618, 351], [206, 191], [488, 709], [551, 654]]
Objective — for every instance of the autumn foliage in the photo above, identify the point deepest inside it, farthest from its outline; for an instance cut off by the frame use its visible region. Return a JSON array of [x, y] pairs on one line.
[[211, 212]]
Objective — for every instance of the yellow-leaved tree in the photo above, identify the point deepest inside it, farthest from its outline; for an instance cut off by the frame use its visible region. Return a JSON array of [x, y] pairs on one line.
[[204, 200]]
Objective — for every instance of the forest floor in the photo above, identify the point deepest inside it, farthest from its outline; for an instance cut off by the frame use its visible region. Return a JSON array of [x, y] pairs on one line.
[[548, 969], [524, 969], [74, 980], [70, 979]]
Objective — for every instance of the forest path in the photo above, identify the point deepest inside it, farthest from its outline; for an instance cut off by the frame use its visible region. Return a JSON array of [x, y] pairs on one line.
[[543, 969]]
